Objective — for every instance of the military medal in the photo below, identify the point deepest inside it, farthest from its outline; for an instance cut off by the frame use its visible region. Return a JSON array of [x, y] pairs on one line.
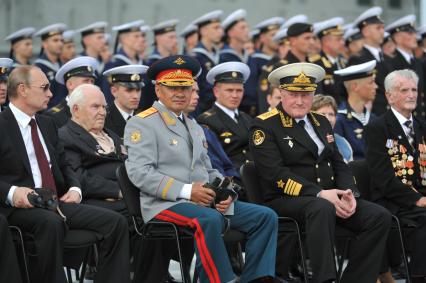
[[173, 142], [227, 140], [290, 143], [358, 133]]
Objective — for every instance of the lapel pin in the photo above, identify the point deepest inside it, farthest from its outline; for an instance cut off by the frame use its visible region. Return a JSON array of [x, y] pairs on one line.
[[290, 143]]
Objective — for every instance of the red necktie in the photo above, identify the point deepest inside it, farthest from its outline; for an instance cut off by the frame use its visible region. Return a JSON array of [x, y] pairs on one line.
[[46, 174]]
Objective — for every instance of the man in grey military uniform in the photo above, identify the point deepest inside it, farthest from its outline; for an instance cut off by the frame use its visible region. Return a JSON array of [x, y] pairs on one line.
[[168, 161]]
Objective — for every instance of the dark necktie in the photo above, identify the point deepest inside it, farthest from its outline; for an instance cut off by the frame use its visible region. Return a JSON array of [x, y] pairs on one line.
[[308, 138], [47, 180], [237, 117], [128, 117], [410, 135], [382, 58]]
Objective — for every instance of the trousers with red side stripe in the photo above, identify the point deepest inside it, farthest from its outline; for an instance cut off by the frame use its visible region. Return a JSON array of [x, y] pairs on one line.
[[259, 223]]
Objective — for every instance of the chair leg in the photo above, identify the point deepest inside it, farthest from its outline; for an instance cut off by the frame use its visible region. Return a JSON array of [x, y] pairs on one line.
[[84, 264], [302, 254], [404, 254], [23, 254], [69, 276], [185, 277]]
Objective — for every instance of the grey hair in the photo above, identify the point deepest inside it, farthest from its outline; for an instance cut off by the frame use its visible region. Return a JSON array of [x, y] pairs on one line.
[[77, 95], [391, 78]]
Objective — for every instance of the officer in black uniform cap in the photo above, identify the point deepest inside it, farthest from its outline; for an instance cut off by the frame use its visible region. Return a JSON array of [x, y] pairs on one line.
[[5, 65], [80, 70], [303, 175]]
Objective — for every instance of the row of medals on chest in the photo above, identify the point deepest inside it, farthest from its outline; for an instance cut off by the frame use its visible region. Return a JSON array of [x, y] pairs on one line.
[[403, 162]]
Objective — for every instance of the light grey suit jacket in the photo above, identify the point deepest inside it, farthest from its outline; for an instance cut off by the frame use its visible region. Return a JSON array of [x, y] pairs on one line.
[[164, 156]]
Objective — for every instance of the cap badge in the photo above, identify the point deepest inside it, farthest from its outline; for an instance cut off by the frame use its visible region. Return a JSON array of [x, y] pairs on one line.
[[89, 68], [135, 77], [234, 74], [301, 79], [179, 61]]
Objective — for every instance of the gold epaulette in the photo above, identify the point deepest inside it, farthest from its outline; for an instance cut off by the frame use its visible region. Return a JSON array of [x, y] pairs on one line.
[[268, 115], [314, 58], [55, 109], [283, 62], [147, 112]]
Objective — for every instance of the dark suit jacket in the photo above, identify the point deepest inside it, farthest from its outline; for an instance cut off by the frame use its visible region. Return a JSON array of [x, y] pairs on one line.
[[383, 68], [387, 188], [287, 160], [114, 121], [95, 171], [60, 113], [14, 163], [233, 137], [399, 63]]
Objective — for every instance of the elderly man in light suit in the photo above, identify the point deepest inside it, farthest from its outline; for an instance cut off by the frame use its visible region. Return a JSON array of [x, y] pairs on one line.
[[168, 161]]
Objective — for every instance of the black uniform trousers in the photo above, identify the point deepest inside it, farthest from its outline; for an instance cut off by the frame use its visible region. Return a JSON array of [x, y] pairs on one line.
[[370, 223], [9, 268], [48, 230]]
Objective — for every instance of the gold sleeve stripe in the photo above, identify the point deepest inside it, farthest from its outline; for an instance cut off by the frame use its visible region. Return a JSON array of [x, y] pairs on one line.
[[292, 188], [166, 188]]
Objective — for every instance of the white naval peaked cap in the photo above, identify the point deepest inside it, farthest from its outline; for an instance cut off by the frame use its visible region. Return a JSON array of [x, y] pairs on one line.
[[128, 27], [130, 75], [96, 27], [280, 35], [234, 17], [83, 66], [51, 30], [331, 26], [165, 26], [301, 18], [229, 72], [270, 24], [370, 16], [18, 35], [357, 71], [188, 30], [68, 36], [297, 76], [405, 23], [210, 17]]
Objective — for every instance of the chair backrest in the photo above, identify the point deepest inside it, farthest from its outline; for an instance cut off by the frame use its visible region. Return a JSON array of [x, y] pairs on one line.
[[362, 177], [251, 182], [130, 192]]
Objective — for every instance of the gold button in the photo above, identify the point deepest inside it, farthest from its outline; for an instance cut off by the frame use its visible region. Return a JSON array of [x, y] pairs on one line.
[[332, 177], [316, 166], [318, 180], [328, 163], [247, 161], [244, 151]]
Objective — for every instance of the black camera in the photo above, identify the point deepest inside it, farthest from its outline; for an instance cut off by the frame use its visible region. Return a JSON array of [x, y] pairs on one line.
[[223, 189], [43, 198]]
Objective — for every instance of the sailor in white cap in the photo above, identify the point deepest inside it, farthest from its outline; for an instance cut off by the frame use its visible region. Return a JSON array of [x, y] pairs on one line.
[[372, 30], [304, 175], [126, 83], [129, 41], [93, 41], [236, 34], [5, 66], [77, 71], [165, 40], [207, 53], [224, 118], [21, 46], [330, 34], [106, 53], [48, 60], [353, 41], [190, 37], [353, 114], [68, 50], [403, 33]]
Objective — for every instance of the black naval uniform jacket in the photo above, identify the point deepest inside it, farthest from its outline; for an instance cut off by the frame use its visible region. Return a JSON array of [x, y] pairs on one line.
[[94, 169], [233, 136], [287, 160], [60, 113], [380, 104], [328, 86], [114, 121], [386, 143], [398, 62]]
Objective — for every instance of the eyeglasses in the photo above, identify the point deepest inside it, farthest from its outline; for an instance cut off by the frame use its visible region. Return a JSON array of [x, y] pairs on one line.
[[44, 87]]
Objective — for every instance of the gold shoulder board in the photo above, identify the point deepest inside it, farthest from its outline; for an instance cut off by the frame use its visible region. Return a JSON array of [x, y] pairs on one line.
[[314, 58], [147, 112], [268, 115]]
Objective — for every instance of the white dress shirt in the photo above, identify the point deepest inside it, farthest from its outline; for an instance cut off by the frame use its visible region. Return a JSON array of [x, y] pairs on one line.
[[375, 51], [23, 122], [229, 112], [311, 132], [124, 113], [407, 56], [402, 120]]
